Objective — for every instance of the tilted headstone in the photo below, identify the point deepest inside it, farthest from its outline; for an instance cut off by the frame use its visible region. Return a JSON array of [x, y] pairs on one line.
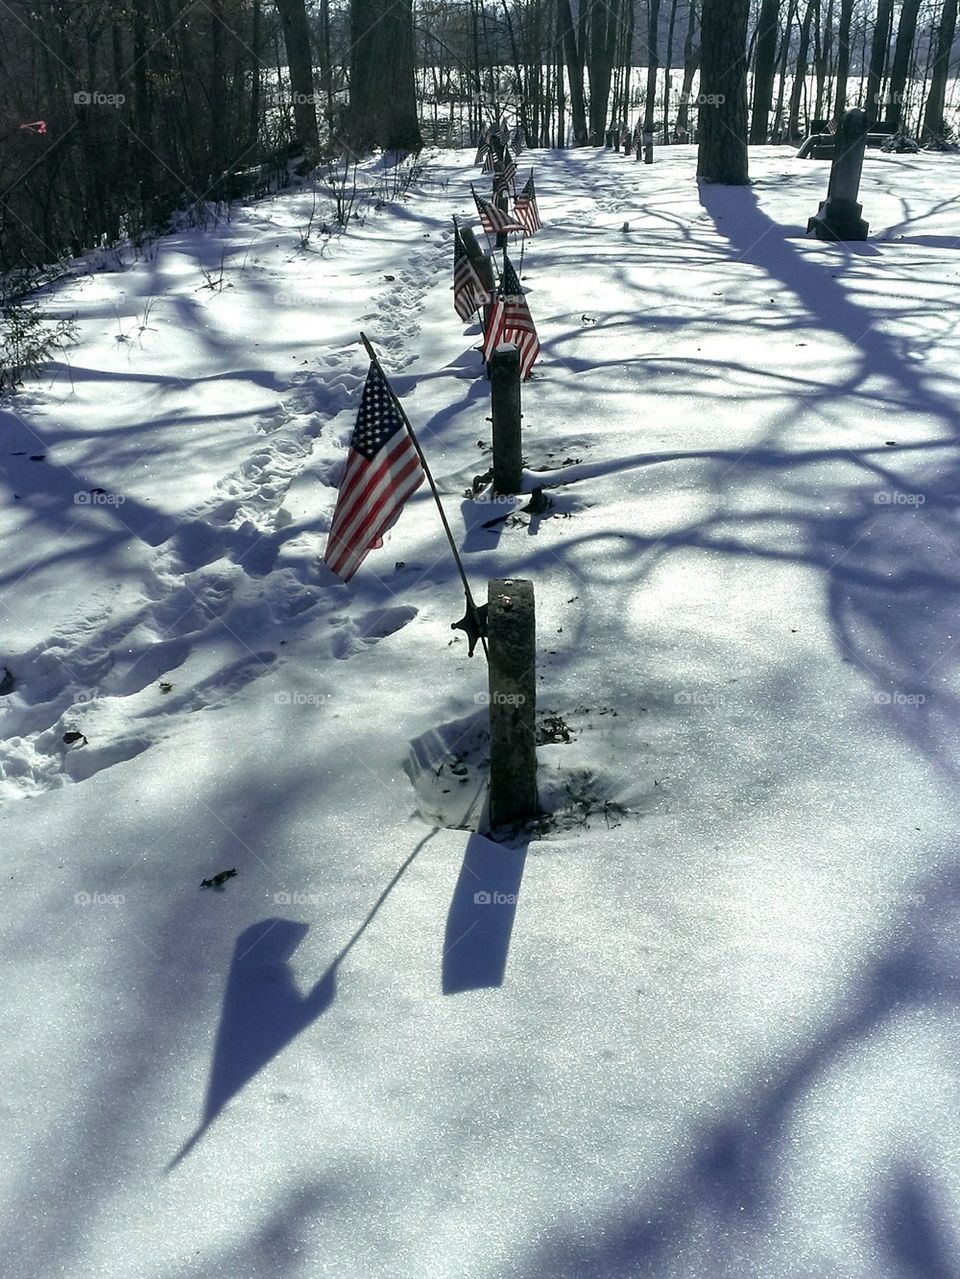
[[838, 217], [481, 264]]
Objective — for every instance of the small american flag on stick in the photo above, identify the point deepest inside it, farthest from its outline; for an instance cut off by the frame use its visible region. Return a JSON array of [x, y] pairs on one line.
[[511, 321], [383, 469], [483, 147], [469, 295], [525, 209], [518, 141], [506, 172], [494, 220]]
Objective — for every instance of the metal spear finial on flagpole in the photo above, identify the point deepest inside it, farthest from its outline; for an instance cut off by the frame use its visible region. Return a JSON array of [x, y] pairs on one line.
[[473, 621]]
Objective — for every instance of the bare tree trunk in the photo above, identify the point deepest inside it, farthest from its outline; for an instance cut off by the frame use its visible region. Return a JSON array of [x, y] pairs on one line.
[[383, 94], [933, 124], [574, 61], [821, 57], [768, 27], [906, 34], [782, 59], [691, 60], [843, 60], [878, 57], [296, 38], [800, 72], [604, 25], [653, 66], [821, 53], [668, 67], [723, 86]]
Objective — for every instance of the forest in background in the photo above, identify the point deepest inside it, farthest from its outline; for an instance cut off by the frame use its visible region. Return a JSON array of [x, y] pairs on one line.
[[116, 115]]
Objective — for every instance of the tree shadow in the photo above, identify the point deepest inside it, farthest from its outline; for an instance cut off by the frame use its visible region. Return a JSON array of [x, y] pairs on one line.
[[729, 1179], [908, 1224]]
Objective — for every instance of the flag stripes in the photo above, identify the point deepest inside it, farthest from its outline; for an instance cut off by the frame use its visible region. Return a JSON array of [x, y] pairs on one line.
[[495, 220], [525, 208], [511, 321], [469, 295], [383, 469]]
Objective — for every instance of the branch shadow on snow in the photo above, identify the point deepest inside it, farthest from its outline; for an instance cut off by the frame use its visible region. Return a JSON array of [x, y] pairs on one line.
[[891, 578], [727, 1192]]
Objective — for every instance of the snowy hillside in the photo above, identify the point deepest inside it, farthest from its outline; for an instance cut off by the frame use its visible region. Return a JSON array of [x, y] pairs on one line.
[[711, 1029]]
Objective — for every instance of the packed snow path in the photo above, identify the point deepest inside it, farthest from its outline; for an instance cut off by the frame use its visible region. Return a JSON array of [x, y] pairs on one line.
[[717, 1039]]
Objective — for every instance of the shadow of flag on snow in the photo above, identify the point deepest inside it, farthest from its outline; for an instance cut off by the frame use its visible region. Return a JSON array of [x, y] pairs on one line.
[[262, 1012], [262, 1008], [480, 919]]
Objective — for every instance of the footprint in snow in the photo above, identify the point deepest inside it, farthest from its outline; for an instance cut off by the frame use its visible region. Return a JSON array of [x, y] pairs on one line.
[[355, 634]]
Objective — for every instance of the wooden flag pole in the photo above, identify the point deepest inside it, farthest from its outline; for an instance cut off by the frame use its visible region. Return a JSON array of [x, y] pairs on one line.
[[472, 610]]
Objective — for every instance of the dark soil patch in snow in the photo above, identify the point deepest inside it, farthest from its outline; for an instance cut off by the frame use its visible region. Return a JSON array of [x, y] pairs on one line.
[[449, 768]]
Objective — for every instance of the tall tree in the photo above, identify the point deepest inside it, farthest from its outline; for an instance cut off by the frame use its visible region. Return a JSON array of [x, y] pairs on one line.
[[822, 56], [296, 38], [604, 27], [722, 156], [933, 123], [653, 66], [691, 62], [667, 70], [843, 59], [878, 57], [800, 71], [768, 26], [906, 34], [383, 94], [574, 60]]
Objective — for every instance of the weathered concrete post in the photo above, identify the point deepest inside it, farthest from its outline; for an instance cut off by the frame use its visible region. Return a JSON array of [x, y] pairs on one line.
[[482, 265], [504, 371], [511, 638], [838, 217]]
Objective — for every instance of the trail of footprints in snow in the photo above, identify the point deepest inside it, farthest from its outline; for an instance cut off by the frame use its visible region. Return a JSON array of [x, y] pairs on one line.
[[99, 675], [395, 314]]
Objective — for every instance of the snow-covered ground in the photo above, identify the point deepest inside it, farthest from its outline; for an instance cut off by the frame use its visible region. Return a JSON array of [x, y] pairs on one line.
[[715, 1035]]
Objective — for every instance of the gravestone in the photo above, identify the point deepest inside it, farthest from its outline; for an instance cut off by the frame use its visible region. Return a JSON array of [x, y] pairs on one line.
[[482, 265], [838, 217]]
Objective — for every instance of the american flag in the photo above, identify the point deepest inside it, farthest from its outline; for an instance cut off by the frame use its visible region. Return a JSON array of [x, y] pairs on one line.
[[494, 220], [525, 207], [494, 151], [501, 183], [483, 147], [518, 141], [511, 321], [383, 469], [507, 170], [469, 295]]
